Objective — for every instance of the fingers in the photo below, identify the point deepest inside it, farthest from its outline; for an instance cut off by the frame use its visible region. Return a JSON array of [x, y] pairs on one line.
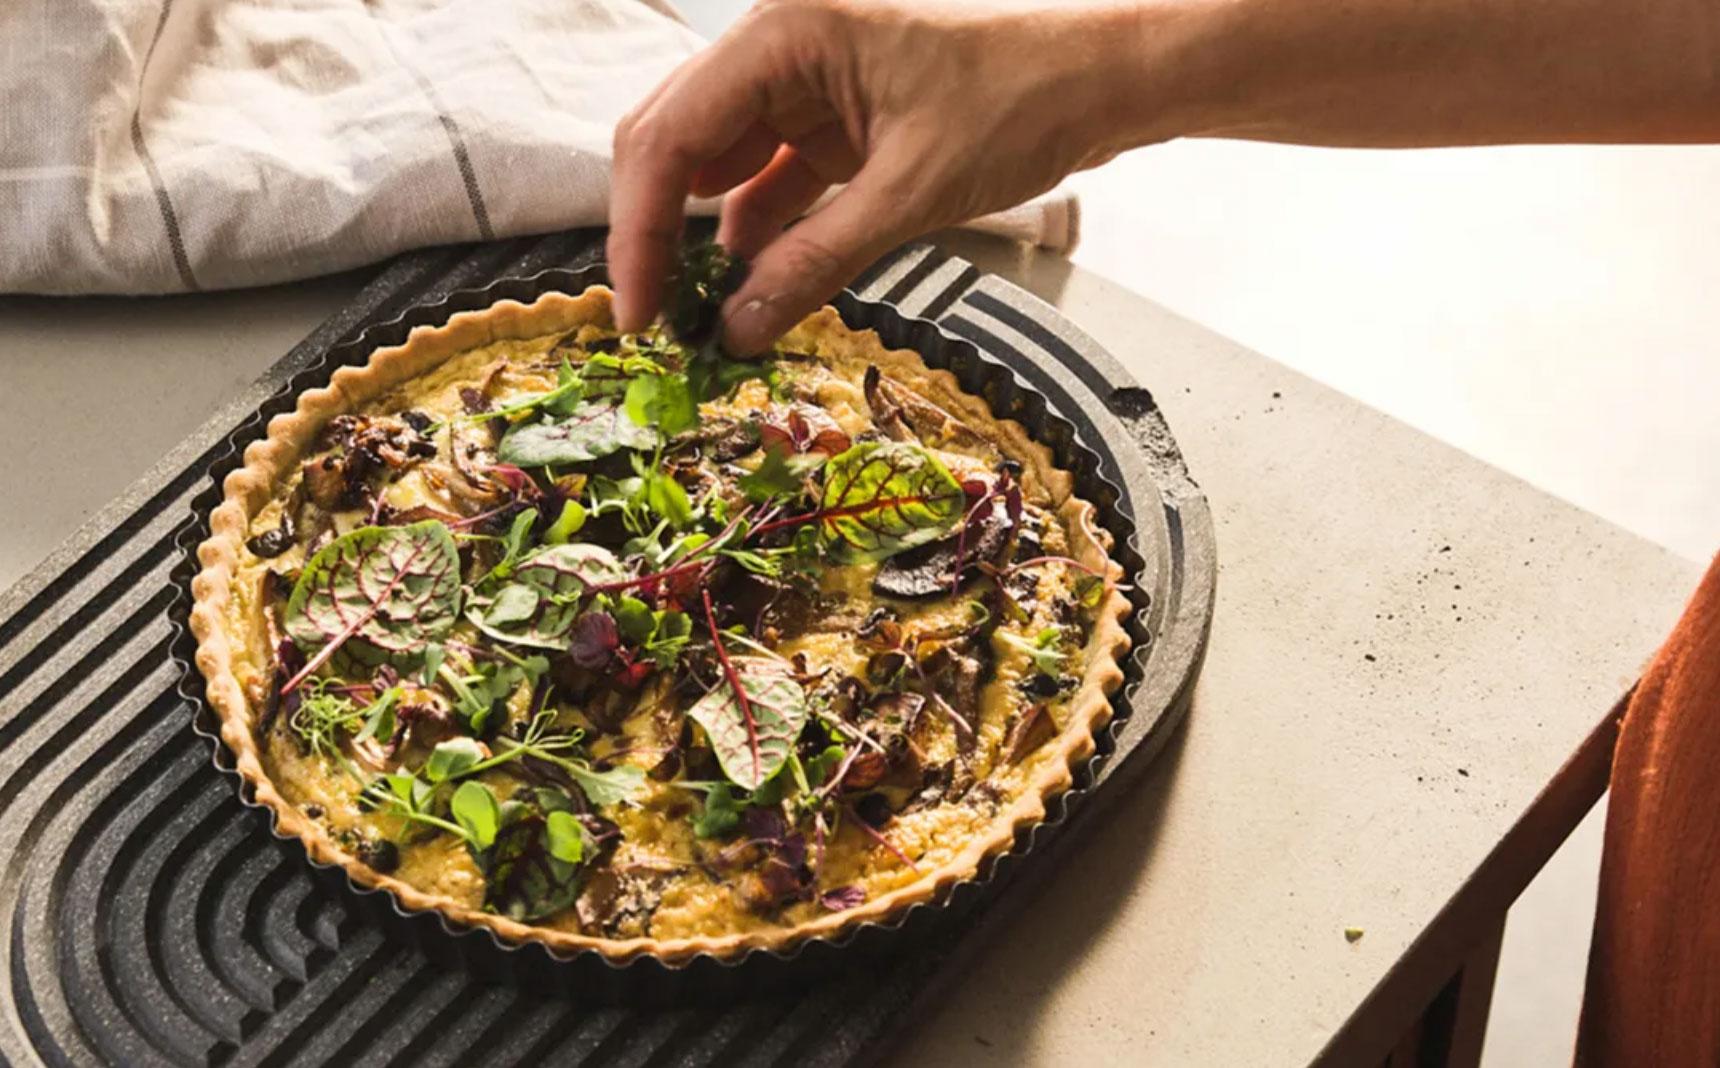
[[755, 213], [705, 110], [805, 267], [744, 159]]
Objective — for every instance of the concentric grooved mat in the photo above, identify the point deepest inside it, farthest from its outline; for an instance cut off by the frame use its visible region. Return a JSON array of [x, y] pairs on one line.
[[149, 918]]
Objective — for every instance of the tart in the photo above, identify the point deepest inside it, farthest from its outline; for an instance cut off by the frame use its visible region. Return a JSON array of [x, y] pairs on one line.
[[616, 644]]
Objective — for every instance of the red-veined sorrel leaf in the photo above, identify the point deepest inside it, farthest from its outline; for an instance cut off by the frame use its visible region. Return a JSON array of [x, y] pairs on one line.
[[540, 606], [801, 428], [381, 593], [881, 497], [778, 707], [593, 430]]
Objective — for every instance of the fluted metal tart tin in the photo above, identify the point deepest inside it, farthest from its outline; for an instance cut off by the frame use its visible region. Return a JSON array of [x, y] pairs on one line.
[[168, 927]]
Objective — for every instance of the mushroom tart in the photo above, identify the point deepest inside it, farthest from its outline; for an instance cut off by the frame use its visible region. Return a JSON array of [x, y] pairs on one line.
[[617, 644]]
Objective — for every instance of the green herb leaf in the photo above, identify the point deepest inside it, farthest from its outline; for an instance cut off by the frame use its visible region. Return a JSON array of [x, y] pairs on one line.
[[751, 754], [820, 767], [565, 837], [434, 654], [513, 544], [634, 618], [513, 604], [566, 525], [378, 716], [621, 783], [664, 496], [883, 497], [558, 576], [710, 374], [526, 875], [322, 721], [474, 807], [663, 401], [593, 430], [383, 594], [661, 633], [569, 388], [779, 475], [757, 563], [721, 813], [706, 276], [452, 759], [490, 684], [1041, 648]]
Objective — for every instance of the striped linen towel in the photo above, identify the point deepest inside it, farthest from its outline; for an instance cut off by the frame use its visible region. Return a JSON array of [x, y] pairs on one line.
[[154, 146]]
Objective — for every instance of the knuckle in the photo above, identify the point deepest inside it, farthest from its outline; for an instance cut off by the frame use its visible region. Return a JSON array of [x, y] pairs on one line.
[[811, 260]]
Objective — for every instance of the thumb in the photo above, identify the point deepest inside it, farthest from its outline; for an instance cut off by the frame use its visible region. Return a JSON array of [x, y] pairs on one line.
[[808, 264]]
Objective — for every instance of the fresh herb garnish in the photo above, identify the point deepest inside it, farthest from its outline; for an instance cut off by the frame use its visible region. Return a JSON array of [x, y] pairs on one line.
[[754, 718], [570, 387], [721, 813], [461, 759], [883, 497], [707, 276], [539, 607], [1041, 648], [567, 524], [534, 867], [591, 431], [779, 475], [660, 634], [382, 593], [324, 719], [514, 543], [489, 684], [663, 401]]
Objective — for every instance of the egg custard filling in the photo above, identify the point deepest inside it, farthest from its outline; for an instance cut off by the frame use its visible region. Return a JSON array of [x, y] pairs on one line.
[[610, 641]]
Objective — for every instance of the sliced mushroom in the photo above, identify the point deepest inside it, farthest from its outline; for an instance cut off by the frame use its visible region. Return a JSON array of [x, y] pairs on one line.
[[901, 413]]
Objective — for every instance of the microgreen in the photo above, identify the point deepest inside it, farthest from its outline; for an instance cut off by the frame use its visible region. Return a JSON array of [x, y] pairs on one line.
[[779, 475], [721, 814], [540, 607], [489, 684], [752, 721], [590, 431], [475, 809], [382, 593], [569, 388], [664, 401], [621, 783], [1041, 648], [883, 497], [566, 525], [706, 276], [323, 720], [514, 544], [660, 633], [453, 759], [379, 718]]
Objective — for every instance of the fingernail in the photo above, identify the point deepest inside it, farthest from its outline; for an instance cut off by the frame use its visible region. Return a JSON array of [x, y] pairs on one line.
[[748, 326]]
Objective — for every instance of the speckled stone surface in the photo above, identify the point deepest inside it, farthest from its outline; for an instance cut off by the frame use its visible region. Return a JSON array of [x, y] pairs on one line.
[[1407, 646]]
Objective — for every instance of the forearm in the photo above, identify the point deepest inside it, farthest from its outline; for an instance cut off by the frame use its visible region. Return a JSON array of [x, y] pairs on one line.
[[1424, 72]]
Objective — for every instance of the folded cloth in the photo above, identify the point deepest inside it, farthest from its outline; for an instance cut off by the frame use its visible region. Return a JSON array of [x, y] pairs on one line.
[[151, 146]]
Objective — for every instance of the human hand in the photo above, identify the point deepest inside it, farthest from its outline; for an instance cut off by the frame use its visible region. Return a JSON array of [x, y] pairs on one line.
[[932, 115]]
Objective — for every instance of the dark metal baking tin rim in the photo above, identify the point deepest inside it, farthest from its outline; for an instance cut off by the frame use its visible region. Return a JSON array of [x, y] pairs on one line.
[[979, 373]]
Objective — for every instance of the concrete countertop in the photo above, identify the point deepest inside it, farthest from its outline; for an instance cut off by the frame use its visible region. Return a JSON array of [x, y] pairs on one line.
[[1402, 707]]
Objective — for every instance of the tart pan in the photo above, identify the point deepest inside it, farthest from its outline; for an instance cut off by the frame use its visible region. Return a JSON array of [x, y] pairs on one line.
[[1121, 459]]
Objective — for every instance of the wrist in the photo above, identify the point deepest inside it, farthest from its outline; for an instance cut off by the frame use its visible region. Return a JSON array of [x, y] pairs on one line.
[[1157, 72]]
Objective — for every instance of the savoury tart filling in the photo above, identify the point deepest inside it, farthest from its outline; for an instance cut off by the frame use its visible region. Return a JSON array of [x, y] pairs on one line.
[[613, 642]]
